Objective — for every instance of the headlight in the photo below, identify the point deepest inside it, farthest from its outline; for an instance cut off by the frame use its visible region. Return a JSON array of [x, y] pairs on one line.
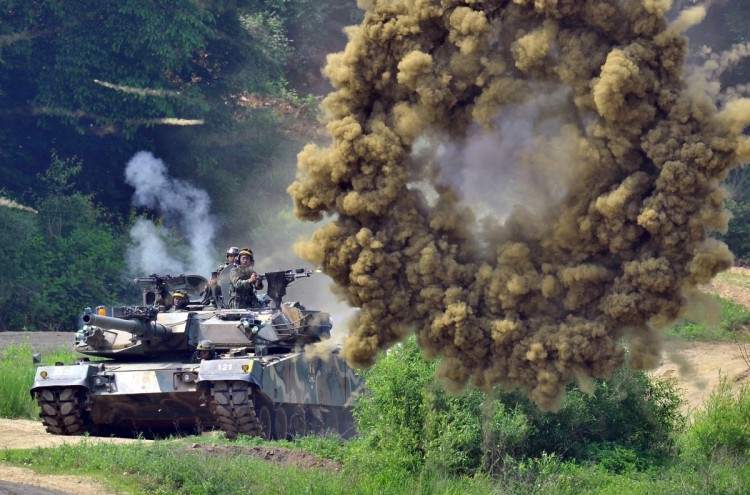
[[101, 381]]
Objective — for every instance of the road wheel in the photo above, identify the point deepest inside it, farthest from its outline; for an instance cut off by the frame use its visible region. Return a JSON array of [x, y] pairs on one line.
[[233, 408], [62, 410], [298, 422], [330, 420], [265, 419], [281, 425]]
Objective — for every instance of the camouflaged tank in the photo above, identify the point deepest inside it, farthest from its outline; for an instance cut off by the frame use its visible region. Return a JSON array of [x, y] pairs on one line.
[[145, 378]]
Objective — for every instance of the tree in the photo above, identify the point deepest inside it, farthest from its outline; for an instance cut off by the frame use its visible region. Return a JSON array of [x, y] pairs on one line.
[[737, 236], [17, 265], [78, 253]]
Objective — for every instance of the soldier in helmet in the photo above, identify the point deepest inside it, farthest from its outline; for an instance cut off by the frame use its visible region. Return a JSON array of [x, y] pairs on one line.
[[245, 281], [215, 287], [204, 350], [232, 254], [180, 300]]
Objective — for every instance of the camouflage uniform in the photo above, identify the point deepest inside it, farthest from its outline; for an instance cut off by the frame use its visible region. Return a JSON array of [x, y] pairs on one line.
[[243, 293]]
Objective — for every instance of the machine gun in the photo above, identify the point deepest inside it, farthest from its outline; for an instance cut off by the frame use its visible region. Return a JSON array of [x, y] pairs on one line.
[[279, 281], [157, 288]]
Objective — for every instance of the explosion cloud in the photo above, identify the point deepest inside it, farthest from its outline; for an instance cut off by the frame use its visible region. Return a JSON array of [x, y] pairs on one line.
[[618, 162]]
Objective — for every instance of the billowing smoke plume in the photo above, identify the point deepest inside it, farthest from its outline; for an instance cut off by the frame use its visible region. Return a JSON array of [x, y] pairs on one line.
[[185, 210], [571, 122]]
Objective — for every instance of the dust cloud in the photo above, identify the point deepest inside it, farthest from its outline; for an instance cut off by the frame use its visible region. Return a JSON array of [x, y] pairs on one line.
[[528, 186]]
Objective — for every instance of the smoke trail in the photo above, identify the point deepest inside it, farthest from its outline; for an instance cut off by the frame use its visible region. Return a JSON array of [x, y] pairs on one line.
[[183, 207], [542, 292], [9, 203]]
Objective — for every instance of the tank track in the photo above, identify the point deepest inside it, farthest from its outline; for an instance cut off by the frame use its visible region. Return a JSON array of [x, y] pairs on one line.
[[62, 411], [234, 409]]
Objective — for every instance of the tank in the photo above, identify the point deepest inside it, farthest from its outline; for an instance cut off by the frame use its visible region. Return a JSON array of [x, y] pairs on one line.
[[140, 374]]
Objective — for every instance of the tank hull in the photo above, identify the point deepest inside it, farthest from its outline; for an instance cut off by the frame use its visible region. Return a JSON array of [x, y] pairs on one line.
[[279, 396]]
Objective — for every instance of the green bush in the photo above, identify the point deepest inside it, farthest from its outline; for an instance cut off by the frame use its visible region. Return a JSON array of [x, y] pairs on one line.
[[631, 410], [504, 434], [410, 423], [453, 431], [390, 417], [18, 262], [722, 427]]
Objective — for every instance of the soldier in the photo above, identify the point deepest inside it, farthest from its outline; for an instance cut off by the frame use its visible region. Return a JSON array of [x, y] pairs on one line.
[[232, 253], [204, 350], [245, 281], [180, 300], [215, 287]]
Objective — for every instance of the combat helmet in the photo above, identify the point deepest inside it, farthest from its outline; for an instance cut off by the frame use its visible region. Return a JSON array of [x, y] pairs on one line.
[[180, 293], [205, 345]]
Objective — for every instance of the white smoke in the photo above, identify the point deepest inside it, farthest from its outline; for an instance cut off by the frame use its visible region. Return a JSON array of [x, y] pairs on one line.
[[185, 211], [526, 159]]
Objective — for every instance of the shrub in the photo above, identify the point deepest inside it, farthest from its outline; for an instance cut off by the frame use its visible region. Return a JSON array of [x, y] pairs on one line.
[[410, 423], [453, 431], [722, 427], [390, 417]]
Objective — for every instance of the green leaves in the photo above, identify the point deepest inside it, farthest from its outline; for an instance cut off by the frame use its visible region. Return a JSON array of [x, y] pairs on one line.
[[58, 260], [409, 423]]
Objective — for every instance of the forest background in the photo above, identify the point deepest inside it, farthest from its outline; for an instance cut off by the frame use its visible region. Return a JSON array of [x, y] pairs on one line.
[[138, 137]]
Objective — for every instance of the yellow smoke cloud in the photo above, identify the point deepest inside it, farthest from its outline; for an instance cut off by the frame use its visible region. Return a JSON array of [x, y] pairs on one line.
[[574, 124]]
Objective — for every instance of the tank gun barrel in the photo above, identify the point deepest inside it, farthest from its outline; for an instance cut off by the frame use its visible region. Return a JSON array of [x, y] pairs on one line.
[[140, 328]]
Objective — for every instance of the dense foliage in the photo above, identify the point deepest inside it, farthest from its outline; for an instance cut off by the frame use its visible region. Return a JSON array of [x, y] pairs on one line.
[[66, 255], [223, 92], [627, 422], [212, 88]]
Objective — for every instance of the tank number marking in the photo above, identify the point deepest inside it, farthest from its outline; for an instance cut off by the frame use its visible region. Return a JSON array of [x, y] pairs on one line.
[[64, 372], [225, 367]]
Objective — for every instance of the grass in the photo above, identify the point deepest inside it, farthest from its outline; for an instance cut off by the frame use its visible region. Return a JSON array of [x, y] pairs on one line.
[[17, 370], [731, 327], [176, 466], [733, 278]]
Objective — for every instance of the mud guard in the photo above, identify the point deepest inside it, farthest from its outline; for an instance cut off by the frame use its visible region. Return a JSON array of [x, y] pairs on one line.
[[215, 370], [63, 376]]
